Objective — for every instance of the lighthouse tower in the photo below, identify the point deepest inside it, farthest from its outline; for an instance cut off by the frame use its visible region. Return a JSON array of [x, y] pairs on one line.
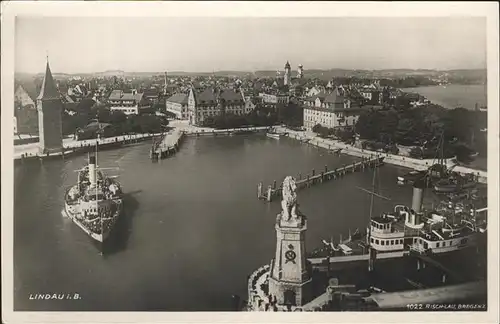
[[49, 107], [290, 277], [288, 74]]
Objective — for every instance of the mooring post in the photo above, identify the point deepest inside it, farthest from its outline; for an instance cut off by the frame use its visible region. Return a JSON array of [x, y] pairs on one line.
[[259, 190], [322, 176], [308, 184], [274, 184], [269, 193], [326, 168], [300, 176], [313, 172]]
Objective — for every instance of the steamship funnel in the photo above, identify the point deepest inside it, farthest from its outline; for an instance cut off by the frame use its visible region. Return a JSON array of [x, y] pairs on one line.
[[418, 197]]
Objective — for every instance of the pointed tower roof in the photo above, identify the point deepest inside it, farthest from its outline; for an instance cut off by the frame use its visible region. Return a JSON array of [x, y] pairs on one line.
[[49, 89], [287, 65]]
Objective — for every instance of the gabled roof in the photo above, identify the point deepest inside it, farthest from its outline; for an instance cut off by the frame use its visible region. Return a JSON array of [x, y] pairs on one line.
[[67, 99], [231, 95], [280, 82], [207, 96], [335, 97], [299, 81], [120, 95], [30, 88], [151, 92], [49, 89], [180, 98]]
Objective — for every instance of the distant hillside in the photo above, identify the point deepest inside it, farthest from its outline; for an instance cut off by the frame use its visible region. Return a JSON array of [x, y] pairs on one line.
[[325, 74]]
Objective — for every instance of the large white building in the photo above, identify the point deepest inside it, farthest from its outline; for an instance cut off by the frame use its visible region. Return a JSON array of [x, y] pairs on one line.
[[332, 110], [128, 103], [274, 98], [178, 105], [214, 102]]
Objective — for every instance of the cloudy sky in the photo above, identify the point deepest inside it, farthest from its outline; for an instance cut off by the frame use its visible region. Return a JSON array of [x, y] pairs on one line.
[[94, 44]]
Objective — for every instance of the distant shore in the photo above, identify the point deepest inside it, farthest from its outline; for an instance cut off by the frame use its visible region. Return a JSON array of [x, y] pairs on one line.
[[452, 96]]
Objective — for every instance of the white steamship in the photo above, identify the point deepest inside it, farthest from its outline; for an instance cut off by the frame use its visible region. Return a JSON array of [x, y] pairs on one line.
[[95, 202]]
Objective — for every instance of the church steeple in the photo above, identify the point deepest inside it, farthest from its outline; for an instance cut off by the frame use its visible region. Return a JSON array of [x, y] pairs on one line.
[[287, 76], [49, 89]]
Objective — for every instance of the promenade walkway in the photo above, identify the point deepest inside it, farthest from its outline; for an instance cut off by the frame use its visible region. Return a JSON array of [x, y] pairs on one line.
[[31, 149], [403, 161]]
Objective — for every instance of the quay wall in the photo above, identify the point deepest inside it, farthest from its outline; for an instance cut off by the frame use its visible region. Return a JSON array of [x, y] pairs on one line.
[[228, 131], [29, 152]]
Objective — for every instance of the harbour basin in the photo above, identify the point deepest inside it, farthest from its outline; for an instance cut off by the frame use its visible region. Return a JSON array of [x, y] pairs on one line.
[[193, 229]]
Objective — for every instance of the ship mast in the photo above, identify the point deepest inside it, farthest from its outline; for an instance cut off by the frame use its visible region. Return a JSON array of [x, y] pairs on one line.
[[97, 180]]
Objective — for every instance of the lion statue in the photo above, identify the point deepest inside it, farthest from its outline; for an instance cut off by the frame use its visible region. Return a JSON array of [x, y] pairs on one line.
[[289, 202]]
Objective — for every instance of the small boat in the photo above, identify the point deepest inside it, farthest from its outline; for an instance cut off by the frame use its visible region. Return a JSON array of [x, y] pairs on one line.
[[455, 183], [452, 226], [412, 177], [273, 135]]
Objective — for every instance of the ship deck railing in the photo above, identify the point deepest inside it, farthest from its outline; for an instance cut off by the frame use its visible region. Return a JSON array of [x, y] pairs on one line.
[[418, 249]]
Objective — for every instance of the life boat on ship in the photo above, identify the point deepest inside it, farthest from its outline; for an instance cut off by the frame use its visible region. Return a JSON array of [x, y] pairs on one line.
[[455, 183]]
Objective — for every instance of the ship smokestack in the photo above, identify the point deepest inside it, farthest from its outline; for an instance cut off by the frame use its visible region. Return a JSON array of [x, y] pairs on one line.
[[418, 198], [92, 175]]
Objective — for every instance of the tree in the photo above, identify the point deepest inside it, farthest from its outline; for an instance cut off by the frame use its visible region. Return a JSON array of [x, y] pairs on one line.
[[416, 153], [293, 115], [85, 106], [316, 128], [368, 124], [463, 153], [117, 117]]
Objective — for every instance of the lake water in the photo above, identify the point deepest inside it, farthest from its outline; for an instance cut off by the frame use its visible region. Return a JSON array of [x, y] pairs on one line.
[[454, 95], [193, 229]]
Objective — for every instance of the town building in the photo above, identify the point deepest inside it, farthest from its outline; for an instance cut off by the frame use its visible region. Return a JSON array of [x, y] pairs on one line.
[[129, 103], [213, 102], [77, 91], [178, 105], [25, 112], [49, 107], [25, 96], [152, 95], [373, 93], [287, 78], [313, 91], [332, 110], [274, 98]]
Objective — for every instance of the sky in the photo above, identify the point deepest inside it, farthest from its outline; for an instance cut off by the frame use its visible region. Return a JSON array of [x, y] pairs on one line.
[[200, 44]]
